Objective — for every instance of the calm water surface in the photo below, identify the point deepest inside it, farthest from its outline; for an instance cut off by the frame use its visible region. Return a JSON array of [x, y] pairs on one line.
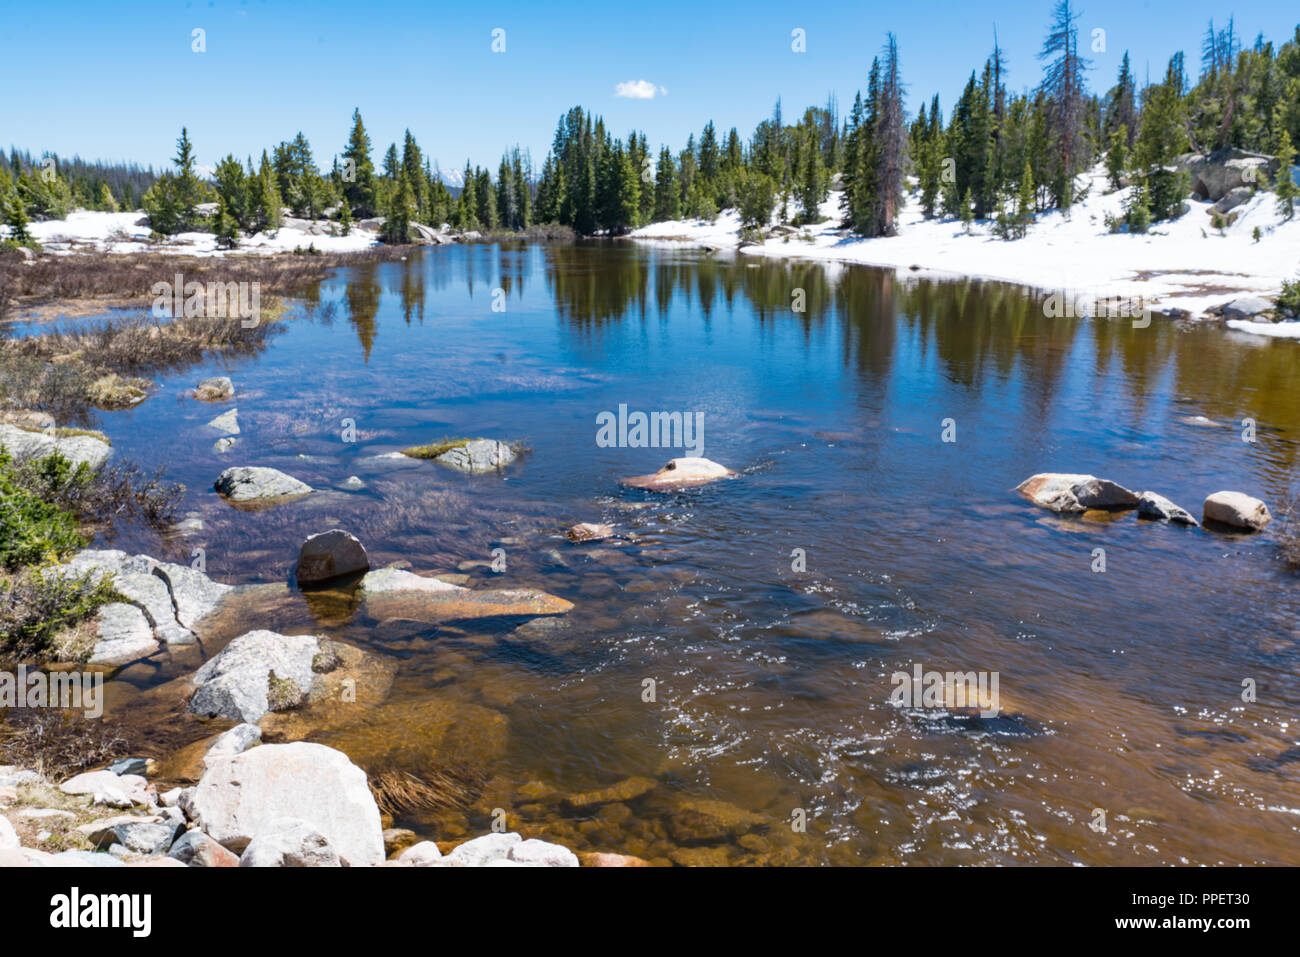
[[1120, 690]]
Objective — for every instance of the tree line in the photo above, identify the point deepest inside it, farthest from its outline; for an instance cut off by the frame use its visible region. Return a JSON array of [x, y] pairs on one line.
[[999, 155]]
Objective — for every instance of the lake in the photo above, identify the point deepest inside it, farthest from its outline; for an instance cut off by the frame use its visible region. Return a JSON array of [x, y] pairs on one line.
[[770, 611]]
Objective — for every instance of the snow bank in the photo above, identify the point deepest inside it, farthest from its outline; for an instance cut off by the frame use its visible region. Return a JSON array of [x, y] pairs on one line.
[[85, 230], [1183, 264]]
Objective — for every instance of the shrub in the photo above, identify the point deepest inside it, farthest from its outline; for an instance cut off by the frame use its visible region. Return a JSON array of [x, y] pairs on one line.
[[38, 606], [1289, 298], [33, 529]]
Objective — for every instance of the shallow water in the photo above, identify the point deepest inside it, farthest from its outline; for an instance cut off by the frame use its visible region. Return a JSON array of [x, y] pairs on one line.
[[1120, 690]]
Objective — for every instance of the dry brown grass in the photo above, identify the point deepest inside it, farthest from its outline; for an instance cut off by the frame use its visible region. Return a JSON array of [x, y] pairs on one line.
[[57, 742], [129, 278], [400, 789]]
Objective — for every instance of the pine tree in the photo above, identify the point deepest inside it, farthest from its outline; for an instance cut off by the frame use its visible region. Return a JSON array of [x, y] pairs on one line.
[[1117, 155], [1063, 86], [15, 217], [1286, 188], [1025, 202], [345, 218], [401, 209], [225, 226], [106, 200], [967, 210], [668, 204], [359, 193]]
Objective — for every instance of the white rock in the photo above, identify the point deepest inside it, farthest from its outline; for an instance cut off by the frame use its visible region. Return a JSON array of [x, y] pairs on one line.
[[108, 788], [227, 422], [254, 483], [421, 854], [8, 836], [480, 850], [236, 682], [680, 473], [1237, 510], [289, 842], [1067, 492], [243, 796], [194, 594], [235, 741], [397, 579], [543, 853], [123, 634]]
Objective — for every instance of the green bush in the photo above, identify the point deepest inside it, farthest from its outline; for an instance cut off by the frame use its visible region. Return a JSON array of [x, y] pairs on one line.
[[33, 528], [1289, 298]]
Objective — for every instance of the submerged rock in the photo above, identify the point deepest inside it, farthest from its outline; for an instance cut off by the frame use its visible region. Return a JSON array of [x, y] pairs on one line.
[[330, 555], [250, 794], [227, 422], [426, 603], [258, 484], [705, 821], [681, 473], [1068, 493], [1159, 508], [1237, 510], [589, 532], [624, 790]]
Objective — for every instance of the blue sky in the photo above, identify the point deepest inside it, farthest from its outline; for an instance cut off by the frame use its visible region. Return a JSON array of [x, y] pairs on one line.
[[118, 81]]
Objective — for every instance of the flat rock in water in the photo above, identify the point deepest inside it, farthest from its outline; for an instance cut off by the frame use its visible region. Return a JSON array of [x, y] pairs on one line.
[[330, 555], [258, 484], [1069, 493], [1159, 508], [681, 473], [236, 684], [433, 605], [1237, 510], [479, 455], [249, 794], [399, 580]]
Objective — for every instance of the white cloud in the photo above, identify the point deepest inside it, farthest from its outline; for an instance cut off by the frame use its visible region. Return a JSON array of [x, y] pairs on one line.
[[638, 90]]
